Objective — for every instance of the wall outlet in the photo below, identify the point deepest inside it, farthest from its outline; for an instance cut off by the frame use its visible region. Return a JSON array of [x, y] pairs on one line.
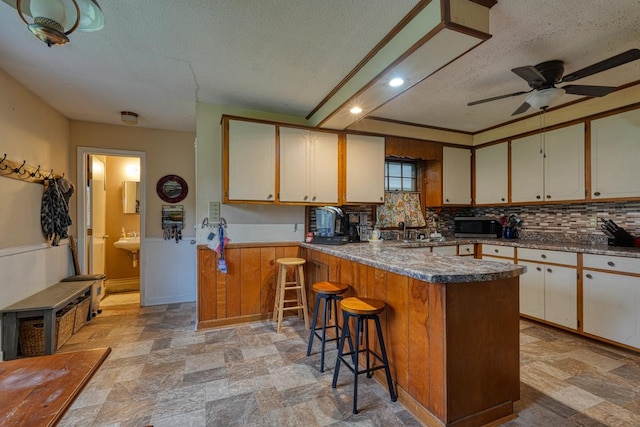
[[214, 212], [593, 222]]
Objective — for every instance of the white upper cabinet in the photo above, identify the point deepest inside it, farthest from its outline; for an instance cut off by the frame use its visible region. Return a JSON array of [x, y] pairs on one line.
[[308, 166], [615, 151], [251, 149], [549, 167], [365, 169], [456, 170], [492, 174]]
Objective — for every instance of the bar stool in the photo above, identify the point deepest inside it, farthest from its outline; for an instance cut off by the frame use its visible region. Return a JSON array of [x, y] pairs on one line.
[[330, 293], [363, 310], [282, 286]]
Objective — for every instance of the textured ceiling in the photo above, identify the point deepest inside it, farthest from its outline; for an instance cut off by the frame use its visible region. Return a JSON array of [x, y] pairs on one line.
[[159, 57]]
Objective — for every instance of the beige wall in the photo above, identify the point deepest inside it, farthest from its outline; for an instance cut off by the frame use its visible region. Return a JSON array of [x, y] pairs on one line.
[[167, 153], [119, 263], [29, 130]]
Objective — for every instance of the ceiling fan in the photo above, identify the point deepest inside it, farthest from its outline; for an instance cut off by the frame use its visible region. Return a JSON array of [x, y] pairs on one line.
[[543, 77]]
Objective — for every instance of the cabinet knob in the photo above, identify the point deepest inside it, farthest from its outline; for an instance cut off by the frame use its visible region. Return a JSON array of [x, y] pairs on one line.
[[306, 198], [548, 196], [314, 198], [447, 200], [270, 196], [611, 264], [496, 251], [538, 197], [382, 198], [502, 199], [543, 256], [538, 268], [597, 193], [588, 276], [549, 270]]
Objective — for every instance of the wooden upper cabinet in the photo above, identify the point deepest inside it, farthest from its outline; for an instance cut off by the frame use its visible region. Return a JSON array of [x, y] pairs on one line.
[[365, 156], [549, 167], [615, 151], [250, 161], [456, 186], [492, 174], [308, 166]]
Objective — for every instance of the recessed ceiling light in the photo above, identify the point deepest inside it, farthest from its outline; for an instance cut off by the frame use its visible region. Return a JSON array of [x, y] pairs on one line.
[[395, 82], [356, 110]]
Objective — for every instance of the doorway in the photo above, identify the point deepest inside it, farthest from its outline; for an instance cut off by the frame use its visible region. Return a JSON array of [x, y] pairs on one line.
[[110, 212]]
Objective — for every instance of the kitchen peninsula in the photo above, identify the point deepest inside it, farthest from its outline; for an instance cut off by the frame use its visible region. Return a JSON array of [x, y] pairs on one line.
[[450, 326]]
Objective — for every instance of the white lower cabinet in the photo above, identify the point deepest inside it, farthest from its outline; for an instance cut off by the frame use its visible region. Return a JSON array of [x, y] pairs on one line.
[[549, 292], [611, 304], [445, 250]]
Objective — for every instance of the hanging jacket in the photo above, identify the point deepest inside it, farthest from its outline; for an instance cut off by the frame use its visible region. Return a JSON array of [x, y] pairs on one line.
[[54, 212]]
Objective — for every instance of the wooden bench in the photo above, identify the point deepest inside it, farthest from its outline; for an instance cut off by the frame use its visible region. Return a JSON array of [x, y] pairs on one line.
[[44, 304]]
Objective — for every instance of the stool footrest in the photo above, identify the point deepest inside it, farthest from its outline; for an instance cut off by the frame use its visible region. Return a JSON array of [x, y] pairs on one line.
[[297, 307]]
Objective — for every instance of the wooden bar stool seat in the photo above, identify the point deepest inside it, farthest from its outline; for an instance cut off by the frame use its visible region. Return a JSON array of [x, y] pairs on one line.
[[362, 310], [282, 286], [330, 293]]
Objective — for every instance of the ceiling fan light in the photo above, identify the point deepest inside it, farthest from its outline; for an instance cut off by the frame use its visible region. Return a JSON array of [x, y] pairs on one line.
[[49, 12], [543, 98], [91, 16]]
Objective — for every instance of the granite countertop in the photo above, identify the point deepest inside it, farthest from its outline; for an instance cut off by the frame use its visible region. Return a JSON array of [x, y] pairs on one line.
[[593, 248], [419, 263]]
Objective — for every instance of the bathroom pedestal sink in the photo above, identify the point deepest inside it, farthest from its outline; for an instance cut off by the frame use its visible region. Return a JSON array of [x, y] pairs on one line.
[[131, 244]]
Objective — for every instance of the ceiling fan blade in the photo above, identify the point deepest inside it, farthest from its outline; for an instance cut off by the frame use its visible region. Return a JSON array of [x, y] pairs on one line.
[[614, 61], [531, 74], [482, 101], [521, 109], [588, 90]]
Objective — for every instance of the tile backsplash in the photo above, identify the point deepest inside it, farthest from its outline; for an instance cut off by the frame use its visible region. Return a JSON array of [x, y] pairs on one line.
[[570, 222]]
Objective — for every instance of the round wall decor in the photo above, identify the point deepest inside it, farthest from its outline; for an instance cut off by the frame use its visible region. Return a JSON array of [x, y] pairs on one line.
[[172, 188]]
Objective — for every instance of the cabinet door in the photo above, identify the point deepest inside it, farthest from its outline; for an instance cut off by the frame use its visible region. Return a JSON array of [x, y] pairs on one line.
[[611, 304], [532, 290], [308, 166], [561, 296], [365, 169], [456, 186], [615, 150], [294, 165], [323, 149], [252, 161], [564, 176], [527, 169], [492, 164]]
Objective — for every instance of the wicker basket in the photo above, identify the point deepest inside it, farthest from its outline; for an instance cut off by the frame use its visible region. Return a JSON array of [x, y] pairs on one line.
[[82, 313], [32, 332]]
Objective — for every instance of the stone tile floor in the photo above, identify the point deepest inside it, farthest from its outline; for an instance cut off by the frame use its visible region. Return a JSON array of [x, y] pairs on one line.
[[163, 373]]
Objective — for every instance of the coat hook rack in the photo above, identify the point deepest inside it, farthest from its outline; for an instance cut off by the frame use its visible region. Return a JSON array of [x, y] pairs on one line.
[[24, 172]]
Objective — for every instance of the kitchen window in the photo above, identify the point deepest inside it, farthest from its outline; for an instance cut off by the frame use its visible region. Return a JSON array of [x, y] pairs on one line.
[[400, 176]]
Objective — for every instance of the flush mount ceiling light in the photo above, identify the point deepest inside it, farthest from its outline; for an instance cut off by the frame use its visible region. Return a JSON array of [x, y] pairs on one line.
[[129, 118], [51, 18], [356, 110]]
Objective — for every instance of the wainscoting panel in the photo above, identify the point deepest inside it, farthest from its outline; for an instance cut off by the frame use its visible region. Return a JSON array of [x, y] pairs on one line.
[[169, 271]]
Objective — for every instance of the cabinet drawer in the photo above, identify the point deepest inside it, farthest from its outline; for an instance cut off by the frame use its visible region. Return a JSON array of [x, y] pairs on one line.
[[555, 257], [496, 250], [465, 250], [613, 263], [445, 250]]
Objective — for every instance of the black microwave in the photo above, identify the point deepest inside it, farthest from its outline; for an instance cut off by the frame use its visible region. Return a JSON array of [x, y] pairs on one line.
[[477, 226]]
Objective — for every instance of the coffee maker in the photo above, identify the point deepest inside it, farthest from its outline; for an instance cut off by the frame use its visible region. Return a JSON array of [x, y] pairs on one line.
[[331, 226], [353, 227]]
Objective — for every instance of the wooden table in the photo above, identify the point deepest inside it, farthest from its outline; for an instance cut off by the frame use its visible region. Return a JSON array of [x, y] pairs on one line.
[[36, 391], [44, 304]]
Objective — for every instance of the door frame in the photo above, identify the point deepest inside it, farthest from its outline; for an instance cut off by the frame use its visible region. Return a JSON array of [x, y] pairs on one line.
[[82, 154]]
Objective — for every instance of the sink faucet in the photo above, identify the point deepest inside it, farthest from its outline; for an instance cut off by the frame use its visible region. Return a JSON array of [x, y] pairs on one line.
[[404, 230]]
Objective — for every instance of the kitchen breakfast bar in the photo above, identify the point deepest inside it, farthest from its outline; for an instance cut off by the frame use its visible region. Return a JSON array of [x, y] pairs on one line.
[[451, 325]]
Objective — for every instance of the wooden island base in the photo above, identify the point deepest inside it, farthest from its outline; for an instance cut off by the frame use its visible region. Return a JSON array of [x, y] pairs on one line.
[[453, 347]]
